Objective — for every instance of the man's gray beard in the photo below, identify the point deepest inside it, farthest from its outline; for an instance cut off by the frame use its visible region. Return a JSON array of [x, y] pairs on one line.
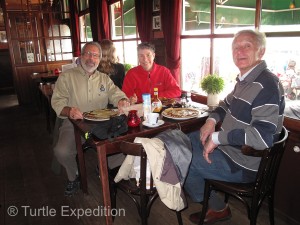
[[88, 69]]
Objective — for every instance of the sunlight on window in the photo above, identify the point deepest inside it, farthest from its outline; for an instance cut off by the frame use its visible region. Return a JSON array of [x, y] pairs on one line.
[[123, 23], [195, 62]]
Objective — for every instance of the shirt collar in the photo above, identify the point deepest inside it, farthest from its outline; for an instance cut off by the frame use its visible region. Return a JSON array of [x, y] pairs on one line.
[[241, 78]]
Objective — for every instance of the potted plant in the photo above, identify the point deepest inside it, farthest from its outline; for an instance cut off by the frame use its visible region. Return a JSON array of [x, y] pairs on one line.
[[127, 67], [212, 84]]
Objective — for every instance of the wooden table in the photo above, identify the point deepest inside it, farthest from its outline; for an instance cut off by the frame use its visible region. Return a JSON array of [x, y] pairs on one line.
[[107, 147], [44, 77]]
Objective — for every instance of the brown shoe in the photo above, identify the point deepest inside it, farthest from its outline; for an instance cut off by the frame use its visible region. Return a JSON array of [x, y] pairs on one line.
[[211, 216]]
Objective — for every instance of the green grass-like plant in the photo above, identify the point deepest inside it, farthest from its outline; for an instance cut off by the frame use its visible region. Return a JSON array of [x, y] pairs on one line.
[[127, 67], [212, 84]]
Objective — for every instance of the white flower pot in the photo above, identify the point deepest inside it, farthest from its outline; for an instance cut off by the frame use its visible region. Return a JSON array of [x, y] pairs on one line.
[[212, 101]]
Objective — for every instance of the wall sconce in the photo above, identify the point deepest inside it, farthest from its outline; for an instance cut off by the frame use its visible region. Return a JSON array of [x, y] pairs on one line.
[[292, 4]]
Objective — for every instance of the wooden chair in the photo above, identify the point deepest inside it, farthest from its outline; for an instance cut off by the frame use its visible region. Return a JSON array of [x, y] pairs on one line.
[[142, 196], [252, 194]]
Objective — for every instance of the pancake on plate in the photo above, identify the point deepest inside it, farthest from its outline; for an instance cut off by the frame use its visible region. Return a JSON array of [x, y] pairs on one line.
[[180, 113], [100, 114]]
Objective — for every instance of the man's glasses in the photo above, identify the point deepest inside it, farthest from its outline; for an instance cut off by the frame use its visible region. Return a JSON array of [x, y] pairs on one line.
[[93, 55]]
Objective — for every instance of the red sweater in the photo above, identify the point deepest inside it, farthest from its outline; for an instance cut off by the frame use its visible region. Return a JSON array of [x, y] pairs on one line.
[[140, 81]]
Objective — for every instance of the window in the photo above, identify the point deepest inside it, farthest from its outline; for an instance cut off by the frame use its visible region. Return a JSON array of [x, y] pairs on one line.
[[206, 47], [280, 16], [85, 29], [124, 30], [84, 22], [40, 32]]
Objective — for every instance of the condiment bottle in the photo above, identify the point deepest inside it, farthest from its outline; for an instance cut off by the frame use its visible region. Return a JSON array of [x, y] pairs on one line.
[[156, 104], [133, 119], [188, 99], [183, 100]]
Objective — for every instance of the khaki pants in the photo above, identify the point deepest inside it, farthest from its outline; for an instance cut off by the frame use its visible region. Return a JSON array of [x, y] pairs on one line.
[[65, 150]]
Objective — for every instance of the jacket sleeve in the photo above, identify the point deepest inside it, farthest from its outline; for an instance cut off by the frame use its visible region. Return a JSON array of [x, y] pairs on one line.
[[60, 97]]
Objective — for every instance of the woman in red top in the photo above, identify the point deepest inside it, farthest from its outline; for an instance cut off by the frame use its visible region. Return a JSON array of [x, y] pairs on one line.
[[148, 75]]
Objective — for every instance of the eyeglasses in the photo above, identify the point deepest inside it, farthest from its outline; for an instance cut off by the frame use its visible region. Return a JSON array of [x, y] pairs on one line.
[[93, 55]]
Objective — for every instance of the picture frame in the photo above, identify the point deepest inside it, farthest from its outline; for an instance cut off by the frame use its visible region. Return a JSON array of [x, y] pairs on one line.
[[156, 5], [156, 23], [3, 38]]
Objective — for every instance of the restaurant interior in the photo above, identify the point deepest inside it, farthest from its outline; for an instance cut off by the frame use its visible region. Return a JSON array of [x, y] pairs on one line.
[[39, 39]]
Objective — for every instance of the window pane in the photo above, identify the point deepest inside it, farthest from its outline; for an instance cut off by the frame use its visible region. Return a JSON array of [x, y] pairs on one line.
[[195, 62], [196, 17], [116, 20], [83, 5], [280, 16], [129, 19], [280, 51], [88, 27], [232, 16], [120, 53], [130, 52], [85, 28], [224, 65]]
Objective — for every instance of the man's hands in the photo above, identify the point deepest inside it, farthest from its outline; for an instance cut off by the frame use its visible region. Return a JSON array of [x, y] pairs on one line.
[[205, 137], [74, 113], [209, 147], [123, 103]]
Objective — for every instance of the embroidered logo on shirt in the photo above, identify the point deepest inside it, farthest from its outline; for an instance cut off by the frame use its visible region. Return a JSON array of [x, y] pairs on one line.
[[102, 88]]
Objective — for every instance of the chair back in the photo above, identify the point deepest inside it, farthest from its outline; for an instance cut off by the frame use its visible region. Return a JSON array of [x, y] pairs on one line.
[[268, 169], [137, 149], [146, 193]]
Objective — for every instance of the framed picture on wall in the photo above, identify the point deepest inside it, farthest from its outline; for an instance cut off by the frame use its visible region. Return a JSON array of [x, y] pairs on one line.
[[3, 36], [156, 5], [156, 23]]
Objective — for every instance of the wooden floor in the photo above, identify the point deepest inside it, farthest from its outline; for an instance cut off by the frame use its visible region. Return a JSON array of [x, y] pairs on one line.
[[27, 183]]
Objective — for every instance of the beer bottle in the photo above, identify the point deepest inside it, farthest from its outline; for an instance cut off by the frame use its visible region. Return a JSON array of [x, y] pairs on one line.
[[156, 104]]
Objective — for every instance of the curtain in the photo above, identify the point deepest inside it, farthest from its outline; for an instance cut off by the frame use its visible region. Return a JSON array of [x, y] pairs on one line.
[[143, 10], [74, 19], [170, 12], [99, 19]]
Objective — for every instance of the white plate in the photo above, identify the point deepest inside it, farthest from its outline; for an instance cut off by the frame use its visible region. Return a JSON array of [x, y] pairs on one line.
[[194, 113], [99, 119], [159, 123]]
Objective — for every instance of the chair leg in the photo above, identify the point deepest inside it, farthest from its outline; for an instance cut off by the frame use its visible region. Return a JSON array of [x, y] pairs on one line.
[[207, 191], [271, 208], [113, 197], [179, 218], [143, 209], [253, 214]]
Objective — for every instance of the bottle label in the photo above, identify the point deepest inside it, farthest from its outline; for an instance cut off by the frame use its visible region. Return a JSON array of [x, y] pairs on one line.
[[156, 106]]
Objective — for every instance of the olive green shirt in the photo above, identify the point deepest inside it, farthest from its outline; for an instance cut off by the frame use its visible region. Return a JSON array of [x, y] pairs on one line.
[[74, 88]]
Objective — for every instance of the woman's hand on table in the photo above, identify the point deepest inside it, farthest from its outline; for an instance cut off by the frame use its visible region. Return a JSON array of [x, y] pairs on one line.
[[133, 99]]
